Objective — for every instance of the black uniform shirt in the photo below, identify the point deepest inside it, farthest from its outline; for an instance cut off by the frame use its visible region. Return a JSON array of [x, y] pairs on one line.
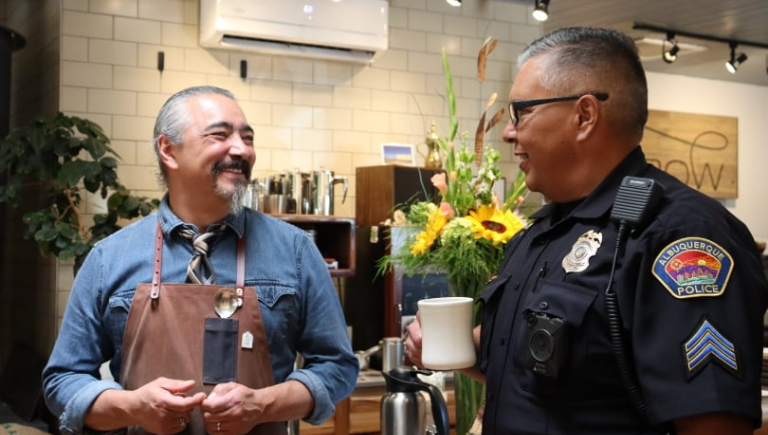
[[691, 296]]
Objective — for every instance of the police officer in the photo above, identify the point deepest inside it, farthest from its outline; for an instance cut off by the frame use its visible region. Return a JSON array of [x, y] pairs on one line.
[[640, 318]]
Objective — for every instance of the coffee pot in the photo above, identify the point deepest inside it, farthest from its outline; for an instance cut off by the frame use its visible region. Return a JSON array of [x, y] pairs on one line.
[[404, 410]]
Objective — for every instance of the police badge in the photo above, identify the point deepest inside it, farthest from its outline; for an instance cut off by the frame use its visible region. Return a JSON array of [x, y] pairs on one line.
[[585, 248]]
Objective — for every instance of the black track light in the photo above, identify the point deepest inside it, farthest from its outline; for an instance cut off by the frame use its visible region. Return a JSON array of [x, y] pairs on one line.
[[733, 64], [456, 3], [670, 55], [541, 10]]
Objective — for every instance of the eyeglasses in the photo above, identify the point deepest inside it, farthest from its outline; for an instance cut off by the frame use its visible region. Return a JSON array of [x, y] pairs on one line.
[[519, 105]]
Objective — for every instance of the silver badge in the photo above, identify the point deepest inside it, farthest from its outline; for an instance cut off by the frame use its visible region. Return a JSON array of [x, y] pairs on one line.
[[585, 247]]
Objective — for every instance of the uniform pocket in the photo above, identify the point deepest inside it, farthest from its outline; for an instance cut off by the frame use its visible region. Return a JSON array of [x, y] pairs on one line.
[[551, 316]]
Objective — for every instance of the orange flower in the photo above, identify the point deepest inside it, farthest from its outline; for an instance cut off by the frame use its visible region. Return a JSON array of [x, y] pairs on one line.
[[438, 180], [447, 210]]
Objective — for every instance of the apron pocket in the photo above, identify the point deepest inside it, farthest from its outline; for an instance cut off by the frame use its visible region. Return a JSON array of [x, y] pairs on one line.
[[220, 351]]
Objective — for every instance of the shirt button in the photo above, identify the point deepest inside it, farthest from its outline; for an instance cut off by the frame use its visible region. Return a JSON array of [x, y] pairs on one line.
[[543, 305]]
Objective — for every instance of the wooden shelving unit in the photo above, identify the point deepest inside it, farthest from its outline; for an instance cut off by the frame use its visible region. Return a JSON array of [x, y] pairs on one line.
[[334, 236]]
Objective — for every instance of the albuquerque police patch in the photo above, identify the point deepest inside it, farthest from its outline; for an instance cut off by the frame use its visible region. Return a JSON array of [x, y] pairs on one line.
[[693, 267]]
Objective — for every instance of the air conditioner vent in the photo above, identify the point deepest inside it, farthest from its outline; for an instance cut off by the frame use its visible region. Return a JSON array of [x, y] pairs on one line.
[[271, 46]]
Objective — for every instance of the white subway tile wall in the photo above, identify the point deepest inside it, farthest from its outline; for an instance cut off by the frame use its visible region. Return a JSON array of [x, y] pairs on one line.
[[307, 114]]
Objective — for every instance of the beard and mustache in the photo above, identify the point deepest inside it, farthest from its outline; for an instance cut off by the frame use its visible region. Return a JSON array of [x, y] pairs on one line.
[[235, 194]]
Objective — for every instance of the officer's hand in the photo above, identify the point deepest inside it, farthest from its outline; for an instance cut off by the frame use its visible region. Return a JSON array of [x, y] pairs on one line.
[[413, 342], [231, 409], [164, 406]]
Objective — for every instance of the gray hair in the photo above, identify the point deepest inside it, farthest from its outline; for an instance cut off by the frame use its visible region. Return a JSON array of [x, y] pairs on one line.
[[174, 117], [582, 59]]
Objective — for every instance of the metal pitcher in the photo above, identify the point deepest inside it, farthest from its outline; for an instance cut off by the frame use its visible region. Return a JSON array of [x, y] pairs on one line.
[[301, 185], [323, 181]]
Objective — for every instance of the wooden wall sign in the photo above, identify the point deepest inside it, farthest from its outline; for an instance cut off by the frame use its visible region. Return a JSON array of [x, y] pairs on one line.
[[700, 150]]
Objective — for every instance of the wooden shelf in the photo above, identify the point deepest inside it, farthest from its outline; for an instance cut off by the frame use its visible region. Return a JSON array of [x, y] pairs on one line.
[[334, 236]]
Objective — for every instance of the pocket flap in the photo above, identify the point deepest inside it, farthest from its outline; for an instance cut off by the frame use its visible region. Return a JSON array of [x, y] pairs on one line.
[[270, 292], [492, 287], [560, 299]]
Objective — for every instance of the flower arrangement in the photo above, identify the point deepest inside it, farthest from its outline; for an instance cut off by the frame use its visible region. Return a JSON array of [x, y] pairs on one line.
[[465, 235]]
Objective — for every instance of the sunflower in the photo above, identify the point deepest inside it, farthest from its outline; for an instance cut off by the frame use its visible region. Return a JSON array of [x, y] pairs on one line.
[[436, 221], [493, 224], [424, 241]]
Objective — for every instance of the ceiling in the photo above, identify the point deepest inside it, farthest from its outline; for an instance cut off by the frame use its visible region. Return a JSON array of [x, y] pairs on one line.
[[743, 20]]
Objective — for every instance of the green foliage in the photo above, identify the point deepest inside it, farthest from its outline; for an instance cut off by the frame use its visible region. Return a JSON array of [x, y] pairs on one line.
[[61, 156]]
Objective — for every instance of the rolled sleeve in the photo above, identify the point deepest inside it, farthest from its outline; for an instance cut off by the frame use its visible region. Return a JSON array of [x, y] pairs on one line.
[[324, 406], [72, 420]]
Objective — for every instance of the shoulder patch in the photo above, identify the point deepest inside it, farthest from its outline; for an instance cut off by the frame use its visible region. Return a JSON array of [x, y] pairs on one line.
[[708, 344], [693, 267]]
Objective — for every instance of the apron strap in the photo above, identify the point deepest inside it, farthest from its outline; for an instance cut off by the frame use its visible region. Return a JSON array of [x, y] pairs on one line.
[[158, 266], [240, 262]]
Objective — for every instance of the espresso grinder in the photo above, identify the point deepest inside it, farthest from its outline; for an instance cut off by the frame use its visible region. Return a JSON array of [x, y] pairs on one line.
[[404, 410]]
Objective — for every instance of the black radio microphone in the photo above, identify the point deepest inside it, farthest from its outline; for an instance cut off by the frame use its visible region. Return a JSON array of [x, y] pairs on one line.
[[636, 201]]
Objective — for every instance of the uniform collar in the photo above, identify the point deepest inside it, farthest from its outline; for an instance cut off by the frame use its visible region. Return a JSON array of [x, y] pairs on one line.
[[600, 201], [169, 221]]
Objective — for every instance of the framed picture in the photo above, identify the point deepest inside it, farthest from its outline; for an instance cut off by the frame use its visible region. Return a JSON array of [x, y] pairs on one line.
[[397, 154]]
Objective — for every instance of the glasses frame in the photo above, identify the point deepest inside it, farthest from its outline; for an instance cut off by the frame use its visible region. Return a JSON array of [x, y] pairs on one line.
[[514, 106]]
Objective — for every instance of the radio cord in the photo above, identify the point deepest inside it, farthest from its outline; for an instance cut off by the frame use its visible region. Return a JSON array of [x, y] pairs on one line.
[[615, 330]]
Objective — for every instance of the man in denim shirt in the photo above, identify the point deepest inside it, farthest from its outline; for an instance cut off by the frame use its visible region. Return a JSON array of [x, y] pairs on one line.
[[205, 153]]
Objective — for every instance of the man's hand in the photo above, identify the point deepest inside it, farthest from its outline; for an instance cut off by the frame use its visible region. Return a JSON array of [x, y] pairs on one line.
[[231, 409], [161, 406], [413, 342], [164, 406]]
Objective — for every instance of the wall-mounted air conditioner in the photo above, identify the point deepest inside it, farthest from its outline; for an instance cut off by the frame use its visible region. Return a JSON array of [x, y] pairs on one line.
[[349, 30]]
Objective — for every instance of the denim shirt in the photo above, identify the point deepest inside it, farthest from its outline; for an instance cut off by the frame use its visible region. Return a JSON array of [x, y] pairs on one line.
[[298, 302]]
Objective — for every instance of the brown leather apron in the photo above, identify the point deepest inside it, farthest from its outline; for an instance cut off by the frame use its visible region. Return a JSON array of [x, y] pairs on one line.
[[164, 337]]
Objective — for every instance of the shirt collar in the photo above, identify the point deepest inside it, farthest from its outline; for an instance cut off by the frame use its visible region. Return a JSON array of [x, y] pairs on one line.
[[601, 199], [169, 222]]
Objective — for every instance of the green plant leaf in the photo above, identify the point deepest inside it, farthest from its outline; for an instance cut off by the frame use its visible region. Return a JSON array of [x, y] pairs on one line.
[[72, 171], [46, 234], [95, 147], [453, 125], [108, 162]]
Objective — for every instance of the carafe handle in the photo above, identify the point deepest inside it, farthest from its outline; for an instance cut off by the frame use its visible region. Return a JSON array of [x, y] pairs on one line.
[[344, 180], [439, 409]]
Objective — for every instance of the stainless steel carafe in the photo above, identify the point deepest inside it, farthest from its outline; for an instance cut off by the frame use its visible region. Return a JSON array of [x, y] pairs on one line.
[[404, 410], [301, 184], [323, 181]]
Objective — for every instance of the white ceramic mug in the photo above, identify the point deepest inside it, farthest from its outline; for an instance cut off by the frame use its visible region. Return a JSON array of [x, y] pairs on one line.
[[446, 332]]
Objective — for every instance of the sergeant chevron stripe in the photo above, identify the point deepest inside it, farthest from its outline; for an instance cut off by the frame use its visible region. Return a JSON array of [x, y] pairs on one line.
[[708, 343]]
